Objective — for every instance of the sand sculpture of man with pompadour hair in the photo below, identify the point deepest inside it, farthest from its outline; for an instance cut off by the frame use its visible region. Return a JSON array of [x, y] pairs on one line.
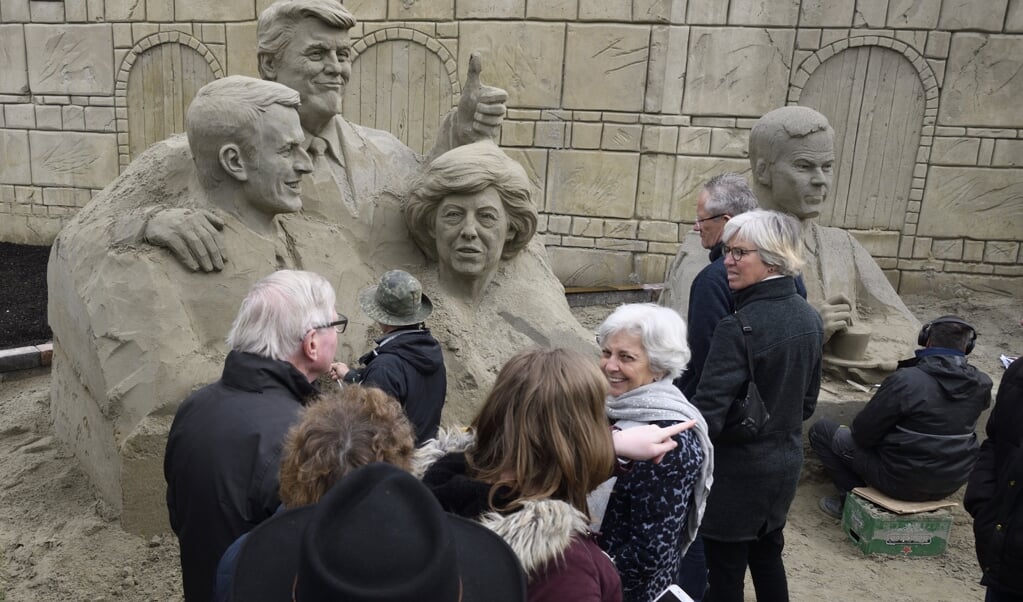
[[867, 327]]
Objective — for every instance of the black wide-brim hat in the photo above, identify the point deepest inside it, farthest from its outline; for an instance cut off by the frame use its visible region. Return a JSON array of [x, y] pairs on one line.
[[378, 535]]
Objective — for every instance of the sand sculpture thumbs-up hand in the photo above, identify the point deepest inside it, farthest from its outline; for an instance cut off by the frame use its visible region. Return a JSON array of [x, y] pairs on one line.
[[481, 108]]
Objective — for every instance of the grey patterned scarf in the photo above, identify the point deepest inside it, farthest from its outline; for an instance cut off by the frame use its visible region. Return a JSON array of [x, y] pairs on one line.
[[660, 400]]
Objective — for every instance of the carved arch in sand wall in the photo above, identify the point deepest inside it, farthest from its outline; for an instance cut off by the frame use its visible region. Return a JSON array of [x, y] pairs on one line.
[[403, 82], [881, 97], [157, 81]]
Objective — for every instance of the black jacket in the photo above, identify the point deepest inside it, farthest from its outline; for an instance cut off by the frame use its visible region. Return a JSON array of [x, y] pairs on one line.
[[710, 299], [223, 457], [409, 366], [921, 423], [755, 482], [994, 494]]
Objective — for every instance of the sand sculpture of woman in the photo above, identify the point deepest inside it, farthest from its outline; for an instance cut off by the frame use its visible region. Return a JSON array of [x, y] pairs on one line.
[[471, 209]]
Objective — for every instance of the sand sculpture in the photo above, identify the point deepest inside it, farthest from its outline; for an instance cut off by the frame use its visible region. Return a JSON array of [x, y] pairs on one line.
[[472, 212], [146, 279], [867, 326], [135, 332]]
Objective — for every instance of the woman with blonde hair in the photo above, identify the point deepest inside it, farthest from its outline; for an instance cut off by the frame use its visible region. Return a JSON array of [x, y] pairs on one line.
[[538, 446], [755, 479]]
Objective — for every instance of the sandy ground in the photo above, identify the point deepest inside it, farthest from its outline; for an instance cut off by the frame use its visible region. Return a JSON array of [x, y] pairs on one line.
[[58, 543]]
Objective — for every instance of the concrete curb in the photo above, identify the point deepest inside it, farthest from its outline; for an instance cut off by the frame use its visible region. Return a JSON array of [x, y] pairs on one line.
[[26, 358]]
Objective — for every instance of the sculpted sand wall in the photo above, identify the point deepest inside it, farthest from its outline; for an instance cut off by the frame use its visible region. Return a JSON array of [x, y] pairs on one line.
[[635, 101]]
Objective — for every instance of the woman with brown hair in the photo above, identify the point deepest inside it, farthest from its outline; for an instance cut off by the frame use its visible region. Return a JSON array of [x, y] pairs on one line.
[[540, 443]]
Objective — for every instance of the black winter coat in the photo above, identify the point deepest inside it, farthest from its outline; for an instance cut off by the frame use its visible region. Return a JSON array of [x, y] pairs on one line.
[[223, 459], [921, 424], [755, 482], [994, 494], [710, 299], [409, 366]]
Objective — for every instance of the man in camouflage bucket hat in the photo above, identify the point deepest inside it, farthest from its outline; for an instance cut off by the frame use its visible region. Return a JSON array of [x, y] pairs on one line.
[[407, 363]]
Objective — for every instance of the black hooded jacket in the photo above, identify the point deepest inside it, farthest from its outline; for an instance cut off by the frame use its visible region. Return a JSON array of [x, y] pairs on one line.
[[921, 422], [409, 366], [994, 495]]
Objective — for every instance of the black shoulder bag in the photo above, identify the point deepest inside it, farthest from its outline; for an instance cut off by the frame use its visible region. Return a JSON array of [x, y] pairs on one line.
[[747, 414]]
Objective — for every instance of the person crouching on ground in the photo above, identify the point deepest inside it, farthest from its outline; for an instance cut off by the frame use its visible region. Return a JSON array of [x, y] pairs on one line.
[[915, 438]]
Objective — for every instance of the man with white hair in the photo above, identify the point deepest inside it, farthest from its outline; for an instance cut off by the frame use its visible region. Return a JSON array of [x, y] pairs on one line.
[[223, 451]]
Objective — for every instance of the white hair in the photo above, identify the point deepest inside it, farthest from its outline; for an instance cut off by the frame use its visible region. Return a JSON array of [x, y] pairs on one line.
[[777, 237], [278, 311], [660, 329]]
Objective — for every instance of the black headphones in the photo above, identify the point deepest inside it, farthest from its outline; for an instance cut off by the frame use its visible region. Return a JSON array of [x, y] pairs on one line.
[[925, 332]]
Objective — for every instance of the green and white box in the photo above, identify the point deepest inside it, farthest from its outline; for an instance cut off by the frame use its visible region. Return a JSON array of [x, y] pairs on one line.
[[874, 530]]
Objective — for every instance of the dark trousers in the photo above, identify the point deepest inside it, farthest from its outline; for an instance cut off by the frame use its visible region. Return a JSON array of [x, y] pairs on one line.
[[850, 465], [837, 451], [727, 562], [692, 572], [998, 596]]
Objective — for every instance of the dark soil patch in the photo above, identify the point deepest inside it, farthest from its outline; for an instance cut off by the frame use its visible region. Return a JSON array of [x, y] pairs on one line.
[[23, 295]]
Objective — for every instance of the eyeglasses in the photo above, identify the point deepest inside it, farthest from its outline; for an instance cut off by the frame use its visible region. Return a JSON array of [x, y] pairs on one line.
[[707, 219], [339, 325], [737, 253]]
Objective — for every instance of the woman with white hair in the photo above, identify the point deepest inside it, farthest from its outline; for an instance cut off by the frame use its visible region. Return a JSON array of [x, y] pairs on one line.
[[755, 479], [654, 509]]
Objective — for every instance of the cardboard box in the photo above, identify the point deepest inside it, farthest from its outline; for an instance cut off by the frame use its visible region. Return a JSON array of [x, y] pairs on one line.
[[874, 530]]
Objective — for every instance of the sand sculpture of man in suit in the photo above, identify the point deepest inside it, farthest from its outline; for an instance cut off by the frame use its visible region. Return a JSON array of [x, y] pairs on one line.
[[867, 327]]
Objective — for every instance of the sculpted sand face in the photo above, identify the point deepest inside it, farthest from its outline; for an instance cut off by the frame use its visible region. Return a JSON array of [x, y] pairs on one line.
[[471, 232], [801, 176], [276, 164]]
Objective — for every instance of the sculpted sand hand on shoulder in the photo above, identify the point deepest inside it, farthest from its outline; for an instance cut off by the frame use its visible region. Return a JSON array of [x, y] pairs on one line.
[[306, 45], [135, 332]]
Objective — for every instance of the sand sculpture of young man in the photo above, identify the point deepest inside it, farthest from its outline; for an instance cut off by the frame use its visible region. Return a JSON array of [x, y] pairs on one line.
[[792, 155], [133, 332]]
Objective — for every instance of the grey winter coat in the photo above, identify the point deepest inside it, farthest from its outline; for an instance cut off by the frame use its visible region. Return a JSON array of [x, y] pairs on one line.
[[755, 482]]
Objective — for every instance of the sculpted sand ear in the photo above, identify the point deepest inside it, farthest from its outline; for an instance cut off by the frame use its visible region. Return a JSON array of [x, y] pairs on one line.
[[230, 161]]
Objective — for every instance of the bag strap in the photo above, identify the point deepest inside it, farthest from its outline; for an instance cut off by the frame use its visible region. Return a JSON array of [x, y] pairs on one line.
[[746, 332]]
